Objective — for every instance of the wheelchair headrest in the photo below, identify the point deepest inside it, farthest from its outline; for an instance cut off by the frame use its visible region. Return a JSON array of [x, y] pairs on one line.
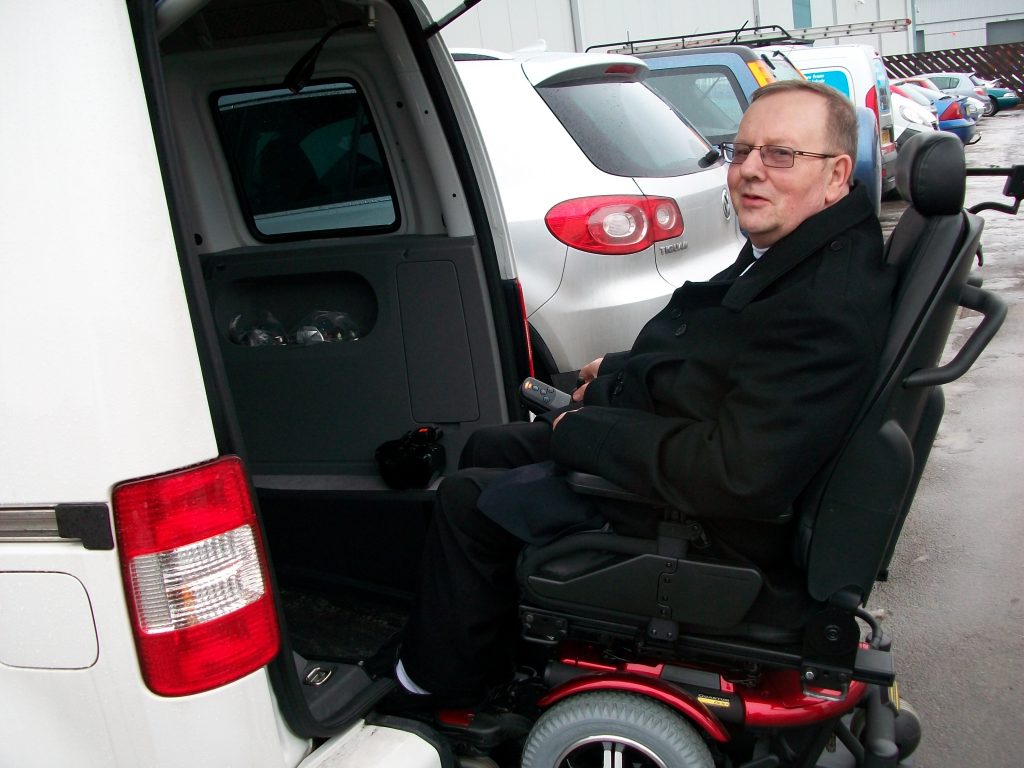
[[930, 173]]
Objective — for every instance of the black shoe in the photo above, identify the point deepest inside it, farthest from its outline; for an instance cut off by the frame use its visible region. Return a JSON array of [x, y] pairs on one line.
[[384, 661]]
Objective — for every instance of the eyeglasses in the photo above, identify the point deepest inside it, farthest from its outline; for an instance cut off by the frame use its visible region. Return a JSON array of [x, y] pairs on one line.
[[771, 155]]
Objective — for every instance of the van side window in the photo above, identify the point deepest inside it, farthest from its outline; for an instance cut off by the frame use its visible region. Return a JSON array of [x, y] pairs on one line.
[[306, 163]]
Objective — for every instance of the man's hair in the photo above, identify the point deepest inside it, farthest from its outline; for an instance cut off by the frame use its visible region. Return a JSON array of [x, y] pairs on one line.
[[842, 119]]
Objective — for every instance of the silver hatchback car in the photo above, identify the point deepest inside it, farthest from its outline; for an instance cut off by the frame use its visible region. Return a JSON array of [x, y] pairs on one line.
[[612, 199]]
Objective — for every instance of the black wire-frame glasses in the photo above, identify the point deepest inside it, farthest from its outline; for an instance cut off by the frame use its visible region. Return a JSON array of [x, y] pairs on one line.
[[772, 155]]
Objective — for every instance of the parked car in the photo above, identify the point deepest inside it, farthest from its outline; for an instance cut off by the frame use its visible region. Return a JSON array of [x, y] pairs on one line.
[[992, 95], [971, 104], [712, 87], [256, 287], [949, 110], [612, 199], [911, 118], [1001, 97], [921, 81], [976, 108], [960, 83], [858, 72]]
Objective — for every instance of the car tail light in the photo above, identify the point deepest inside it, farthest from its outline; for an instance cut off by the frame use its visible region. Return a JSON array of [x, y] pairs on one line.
[[952, 112], [196, 577], [615, 224]]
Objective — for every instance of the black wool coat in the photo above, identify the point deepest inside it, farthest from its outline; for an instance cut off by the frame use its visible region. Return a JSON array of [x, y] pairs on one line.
[[742, 387]]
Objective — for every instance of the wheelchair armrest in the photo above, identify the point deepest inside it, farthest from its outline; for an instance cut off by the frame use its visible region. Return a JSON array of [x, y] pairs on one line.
[[993, 310], [595, 485]]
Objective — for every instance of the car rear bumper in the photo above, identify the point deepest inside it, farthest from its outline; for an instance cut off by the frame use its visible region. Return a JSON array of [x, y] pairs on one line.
[[965, 130]]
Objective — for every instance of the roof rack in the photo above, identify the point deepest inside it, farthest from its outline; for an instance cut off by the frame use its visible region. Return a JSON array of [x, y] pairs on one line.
[[769, 34]]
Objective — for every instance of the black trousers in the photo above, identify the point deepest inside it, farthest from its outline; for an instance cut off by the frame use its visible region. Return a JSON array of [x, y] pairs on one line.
[[461, 636]]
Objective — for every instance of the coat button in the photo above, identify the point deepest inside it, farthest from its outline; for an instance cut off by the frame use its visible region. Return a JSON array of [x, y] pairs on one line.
[[676, 313], [835, 245], [681, 330]]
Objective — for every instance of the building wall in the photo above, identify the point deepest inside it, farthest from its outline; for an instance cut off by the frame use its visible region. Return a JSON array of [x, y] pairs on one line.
[[956, 24], [566, 25], [826, 13], [509, 25], [613, 20]]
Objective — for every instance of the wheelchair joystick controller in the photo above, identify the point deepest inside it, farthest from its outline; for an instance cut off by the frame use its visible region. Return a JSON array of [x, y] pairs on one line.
[[541, 397]]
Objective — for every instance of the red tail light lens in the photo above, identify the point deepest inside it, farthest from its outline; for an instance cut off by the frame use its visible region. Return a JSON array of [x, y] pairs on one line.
[[953, 112], [615, 224], [196, 577], [621, 69], [871, 101]]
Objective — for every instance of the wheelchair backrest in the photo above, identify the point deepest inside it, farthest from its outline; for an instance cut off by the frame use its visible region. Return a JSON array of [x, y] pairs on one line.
[[851, 514]]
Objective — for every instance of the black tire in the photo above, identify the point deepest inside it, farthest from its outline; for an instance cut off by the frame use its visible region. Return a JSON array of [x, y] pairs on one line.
[[581, 730], [991, 107]]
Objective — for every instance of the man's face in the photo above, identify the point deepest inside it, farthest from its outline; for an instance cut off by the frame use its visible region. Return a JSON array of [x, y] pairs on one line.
[[772, 202]]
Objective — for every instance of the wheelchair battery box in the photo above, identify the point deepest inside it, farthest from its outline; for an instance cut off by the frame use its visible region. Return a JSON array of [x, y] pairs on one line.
[[412, 461]]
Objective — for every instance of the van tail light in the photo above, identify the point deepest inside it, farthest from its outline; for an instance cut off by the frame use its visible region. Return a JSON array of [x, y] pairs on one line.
[[528, 345], [952, 112], [196, 577], [871, 102], [615, 224], [884, 134]]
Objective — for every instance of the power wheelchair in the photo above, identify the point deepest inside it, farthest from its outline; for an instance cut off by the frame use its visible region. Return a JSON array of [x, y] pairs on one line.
[[655, 655]]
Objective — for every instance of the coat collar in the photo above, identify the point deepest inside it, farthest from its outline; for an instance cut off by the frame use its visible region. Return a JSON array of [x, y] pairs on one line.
[[799, 245]]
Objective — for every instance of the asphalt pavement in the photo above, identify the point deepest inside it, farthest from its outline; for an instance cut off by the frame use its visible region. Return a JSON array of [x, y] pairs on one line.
[[953, 603]]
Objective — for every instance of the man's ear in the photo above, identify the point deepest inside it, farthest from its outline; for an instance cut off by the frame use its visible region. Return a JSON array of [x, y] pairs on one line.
[[839, 179]]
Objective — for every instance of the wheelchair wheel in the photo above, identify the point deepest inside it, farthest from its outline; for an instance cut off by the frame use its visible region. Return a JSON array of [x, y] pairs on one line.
[[608, 728]]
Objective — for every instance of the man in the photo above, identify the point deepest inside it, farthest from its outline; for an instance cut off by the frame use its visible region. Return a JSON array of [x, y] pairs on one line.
[[730, 400]]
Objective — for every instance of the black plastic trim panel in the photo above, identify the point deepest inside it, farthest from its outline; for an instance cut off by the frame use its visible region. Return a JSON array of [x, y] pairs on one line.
[[88, 522]]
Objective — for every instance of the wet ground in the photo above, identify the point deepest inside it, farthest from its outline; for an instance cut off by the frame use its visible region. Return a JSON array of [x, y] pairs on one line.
[[953, 603]]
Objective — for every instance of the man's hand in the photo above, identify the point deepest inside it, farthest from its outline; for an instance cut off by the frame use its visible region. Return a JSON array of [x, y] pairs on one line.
[[589, 371], [587, 374]]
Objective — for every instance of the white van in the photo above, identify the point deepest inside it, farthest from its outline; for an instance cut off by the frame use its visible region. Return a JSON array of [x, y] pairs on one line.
[[245, 242], [858, 72]]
